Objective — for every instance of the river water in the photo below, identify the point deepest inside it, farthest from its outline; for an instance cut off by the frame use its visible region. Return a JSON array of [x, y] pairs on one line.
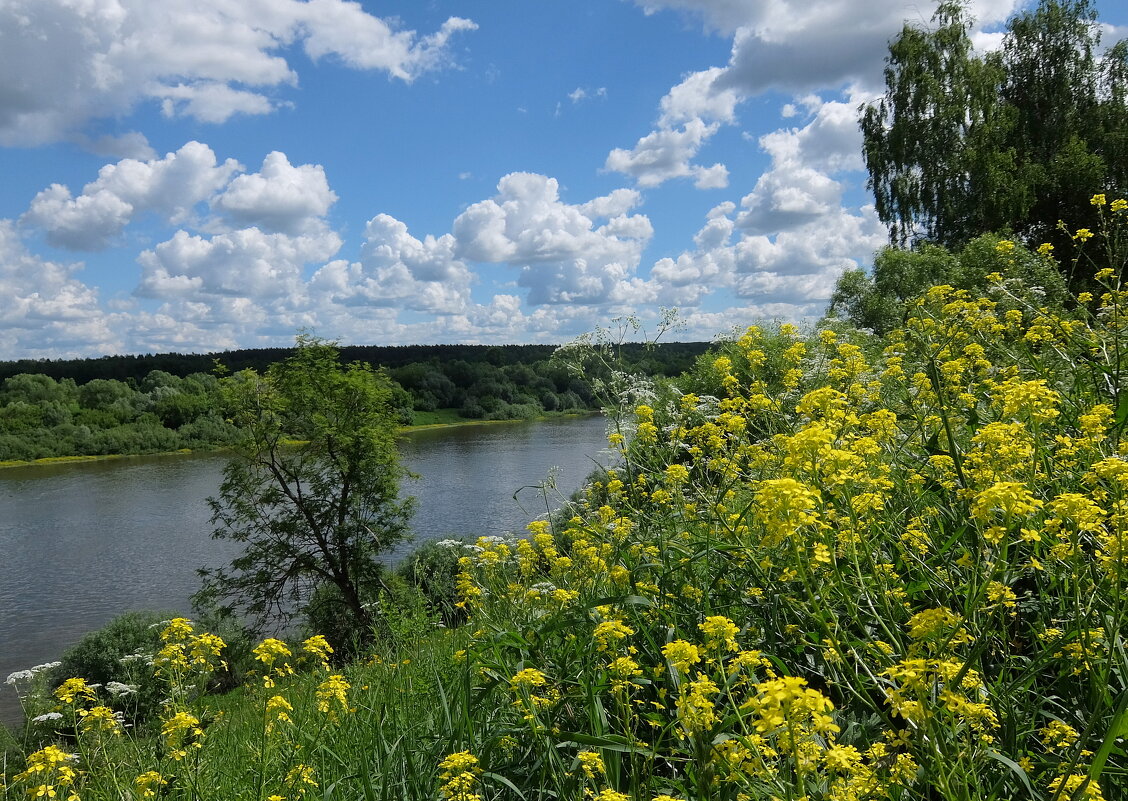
[[83, 542]]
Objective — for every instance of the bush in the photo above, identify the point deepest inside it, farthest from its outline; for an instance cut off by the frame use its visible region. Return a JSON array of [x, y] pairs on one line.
[[119, 652], [432, 568], [397, 609]]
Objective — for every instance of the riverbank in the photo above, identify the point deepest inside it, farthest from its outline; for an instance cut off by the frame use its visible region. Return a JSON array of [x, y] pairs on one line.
[[436, 420]]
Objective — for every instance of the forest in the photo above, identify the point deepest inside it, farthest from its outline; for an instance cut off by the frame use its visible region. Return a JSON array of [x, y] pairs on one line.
[[166, 402]]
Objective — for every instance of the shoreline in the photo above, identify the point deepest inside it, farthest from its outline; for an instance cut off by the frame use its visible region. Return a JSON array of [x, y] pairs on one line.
[[47, 461]]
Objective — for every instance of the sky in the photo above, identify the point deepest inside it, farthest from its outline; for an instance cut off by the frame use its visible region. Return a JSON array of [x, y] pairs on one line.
[[205, 175]]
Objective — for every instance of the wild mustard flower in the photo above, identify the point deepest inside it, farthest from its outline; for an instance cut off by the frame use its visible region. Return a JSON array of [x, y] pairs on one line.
[[1003, 502], [100, 719], [277, 711], [273, 654], [788, 701], [149, 783], [696, 712], [938, 627], [300, 779], [204, 648], [332, 696], [181, 732], [591, 763], [609, 633], [48, 771], [1032, 400], [458, 776], [720, 632], [75, 690], [682, 655], [527, 679], [319, 649], [842, 758], [1057, 735], [785, 505], [1077, 787], [177, 630]]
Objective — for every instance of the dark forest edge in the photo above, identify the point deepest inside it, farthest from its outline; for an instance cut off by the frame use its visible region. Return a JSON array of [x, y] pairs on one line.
[[160, 403]]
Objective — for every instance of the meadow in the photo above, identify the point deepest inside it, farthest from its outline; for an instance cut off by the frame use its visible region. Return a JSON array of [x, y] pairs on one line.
[[825, 565]]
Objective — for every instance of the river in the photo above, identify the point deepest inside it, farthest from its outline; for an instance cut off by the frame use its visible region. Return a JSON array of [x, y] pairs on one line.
[[83, 542]]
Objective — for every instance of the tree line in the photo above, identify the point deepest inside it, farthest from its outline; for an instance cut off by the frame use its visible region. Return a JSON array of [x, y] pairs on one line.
[[166, 402]]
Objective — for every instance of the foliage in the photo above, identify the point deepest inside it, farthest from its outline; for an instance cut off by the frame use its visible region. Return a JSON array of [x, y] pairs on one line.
[[433, 568], [119, 652], [42, 418], [825, 567], [313, 493], [134, 404], [880, 303], [963, 144], [897, 577]]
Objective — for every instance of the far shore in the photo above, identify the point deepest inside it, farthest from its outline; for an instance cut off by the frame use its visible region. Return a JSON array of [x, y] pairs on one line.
[[453, 423]]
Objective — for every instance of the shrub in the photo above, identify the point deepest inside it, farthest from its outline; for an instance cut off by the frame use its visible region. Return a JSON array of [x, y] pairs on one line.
[[119, 652], [433, 569]]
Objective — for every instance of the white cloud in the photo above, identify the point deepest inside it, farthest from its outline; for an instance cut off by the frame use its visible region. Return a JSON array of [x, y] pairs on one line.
[[792, 46], [666, 153], [64, 63], [280, 198], [245, 263], [798, 46], [209, 101], [171, 186], [399, 271], [698, 97], [564, 256], [803, 263], [344, 30], [796, 267], [47, 311]]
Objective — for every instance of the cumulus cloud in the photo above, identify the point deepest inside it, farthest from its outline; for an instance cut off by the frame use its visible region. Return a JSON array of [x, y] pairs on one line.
[[279, 198], [564, 256], [793, 267], [64, 63], [666, 153], [243, 263], [397, 270], [788, 46], [171, 186], [47, 310], [798, 46]]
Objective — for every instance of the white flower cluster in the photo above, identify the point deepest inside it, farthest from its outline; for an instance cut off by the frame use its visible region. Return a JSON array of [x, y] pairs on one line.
[[30, 673]]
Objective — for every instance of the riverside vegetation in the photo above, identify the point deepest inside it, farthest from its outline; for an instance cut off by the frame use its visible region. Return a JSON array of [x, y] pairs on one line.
[[824, 565], [148, 404]]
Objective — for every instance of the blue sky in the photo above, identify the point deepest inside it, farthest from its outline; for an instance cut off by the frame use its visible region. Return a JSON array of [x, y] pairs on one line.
[[199, 175]]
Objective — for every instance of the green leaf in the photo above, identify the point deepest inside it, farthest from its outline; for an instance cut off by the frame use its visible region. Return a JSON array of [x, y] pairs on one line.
[[610, 742], [1016, 769], [1117, 730]]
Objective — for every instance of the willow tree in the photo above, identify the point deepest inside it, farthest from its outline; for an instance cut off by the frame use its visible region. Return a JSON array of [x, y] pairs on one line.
[[312, 492], [1014, 139]]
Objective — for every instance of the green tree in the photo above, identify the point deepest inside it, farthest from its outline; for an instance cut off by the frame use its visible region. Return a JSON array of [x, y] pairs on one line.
[[1013, 140], [313, 493], [878, 301]]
